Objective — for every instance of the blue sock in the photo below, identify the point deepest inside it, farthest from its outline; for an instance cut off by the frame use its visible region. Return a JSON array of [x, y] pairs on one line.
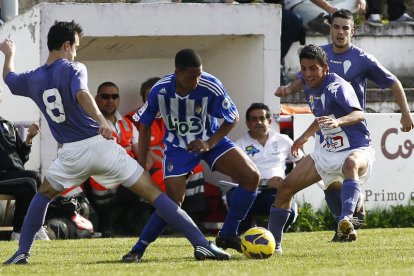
[[349, 195], [277, 220], [178, 218], [333, 200], [154, 227], [240, 204], [33, 220]]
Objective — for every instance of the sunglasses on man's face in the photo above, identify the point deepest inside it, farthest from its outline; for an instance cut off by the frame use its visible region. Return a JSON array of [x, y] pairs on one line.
[[107, 96]]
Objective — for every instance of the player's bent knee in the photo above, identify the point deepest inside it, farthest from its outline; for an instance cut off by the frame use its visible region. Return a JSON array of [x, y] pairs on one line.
[[250, 181], [47, 190], [145, 188]]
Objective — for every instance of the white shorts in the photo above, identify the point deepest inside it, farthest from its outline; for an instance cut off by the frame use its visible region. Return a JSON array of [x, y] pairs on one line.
[[329, 165], [105, 160]]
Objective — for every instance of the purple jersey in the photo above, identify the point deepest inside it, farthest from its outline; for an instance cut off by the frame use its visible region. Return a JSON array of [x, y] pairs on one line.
[[53, 88], [336, 98], [356, 67], [191, 117]]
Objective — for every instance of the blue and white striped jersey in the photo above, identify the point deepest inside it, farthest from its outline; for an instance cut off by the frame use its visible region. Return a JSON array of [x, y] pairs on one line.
[[191, 117]]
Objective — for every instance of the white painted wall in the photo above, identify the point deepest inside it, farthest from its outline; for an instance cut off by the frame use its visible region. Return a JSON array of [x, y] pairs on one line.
[[128, 43], [390, 183], [15, 108]]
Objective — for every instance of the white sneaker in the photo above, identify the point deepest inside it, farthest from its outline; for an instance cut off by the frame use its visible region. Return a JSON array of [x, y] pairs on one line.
[[404, 19], [15, 236], [42, 234], [374, 20], [278, 251]]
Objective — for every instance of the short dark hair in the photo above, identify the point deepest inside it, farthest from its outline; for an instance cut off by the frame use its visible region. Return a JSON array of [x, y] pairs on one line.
[[147, 84], [343, 13], [312, 51], [106, 83], [187, 58], [257, 106], [61, 32]]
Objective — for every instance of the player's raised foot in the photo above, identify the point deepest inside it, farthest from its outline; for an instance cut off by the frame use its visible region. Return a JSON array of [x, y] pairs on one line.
[[345, 228], [22, 258], [132, 257], [210, 252], [233, 242]]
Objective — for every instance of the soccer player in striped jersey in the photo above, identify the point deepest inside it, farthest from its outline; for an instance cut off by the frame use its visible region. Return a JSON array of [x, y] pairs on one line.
[[60, 90], [190, 102]]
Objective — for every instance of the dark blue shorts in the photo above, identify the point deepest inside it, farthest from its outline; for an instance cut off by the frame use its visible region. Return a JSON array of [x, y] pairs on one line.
[[179, 161]]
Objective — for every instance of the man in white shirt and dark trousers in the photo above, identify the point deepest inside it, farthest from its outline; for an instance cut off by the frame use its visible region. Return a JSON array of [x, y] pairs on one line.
[[270, 151]]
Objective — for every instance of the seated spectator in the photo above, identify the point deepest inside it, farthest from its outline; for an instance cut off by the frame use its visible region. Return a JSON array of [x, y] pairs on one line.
[[15, 180], [396, 9], [315, 13], [195, 202], [270, 151], [110, 204]]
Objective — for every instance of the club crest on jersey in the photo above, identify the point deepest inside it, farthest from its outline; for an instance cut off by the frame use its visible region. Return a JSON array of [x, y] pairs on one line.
[[275, 146], [312, 102], [197, 109], [170, 166], [226, 103], [251, 150], [347, 64]]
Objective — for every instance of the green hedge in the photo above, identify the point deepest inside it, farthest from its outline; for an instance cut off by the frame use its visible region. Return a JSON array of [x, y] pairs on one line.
[[392, 217]]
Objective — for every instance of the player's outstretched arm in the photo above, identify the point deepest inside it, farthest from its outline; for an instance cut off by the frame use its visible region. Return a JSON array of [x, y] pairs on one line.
[[400, 98], [8, 48], [298, 143], [325, 6], [88, 104], [143, 144], [295, 86]]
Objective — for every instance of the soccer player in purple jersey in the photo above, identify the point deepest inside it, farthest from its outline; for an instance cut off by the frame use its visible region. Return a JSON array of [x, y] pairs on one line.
[[190, 101], [355, 66], [345, 153], [60, 90]]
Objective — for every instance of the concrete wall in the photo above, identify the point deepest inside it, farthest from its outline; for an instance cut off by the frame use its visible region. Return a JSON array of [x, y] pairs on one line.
[[391, 45], [128, 43]]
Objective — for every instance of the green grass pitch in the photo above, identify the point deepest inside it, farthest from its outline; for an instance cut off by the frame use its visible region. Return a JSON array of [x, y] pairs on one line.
[[376, 252]]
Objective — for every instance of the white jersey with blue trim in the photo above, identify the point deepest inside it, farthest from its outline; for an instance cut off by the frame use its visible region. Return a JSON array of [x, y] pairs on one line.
[[191, 117]]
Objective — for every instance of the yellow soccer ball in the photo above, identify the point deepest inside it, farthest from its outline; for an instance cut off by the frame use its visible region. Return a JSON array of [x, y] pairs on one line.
[[258, 243]]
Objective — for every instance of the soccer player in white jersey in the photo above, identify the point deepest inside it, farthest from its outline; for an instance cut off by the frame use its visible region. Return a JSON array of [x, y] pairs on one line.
[[190, 101], [60, 90], [356, 67], [345, 154]]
